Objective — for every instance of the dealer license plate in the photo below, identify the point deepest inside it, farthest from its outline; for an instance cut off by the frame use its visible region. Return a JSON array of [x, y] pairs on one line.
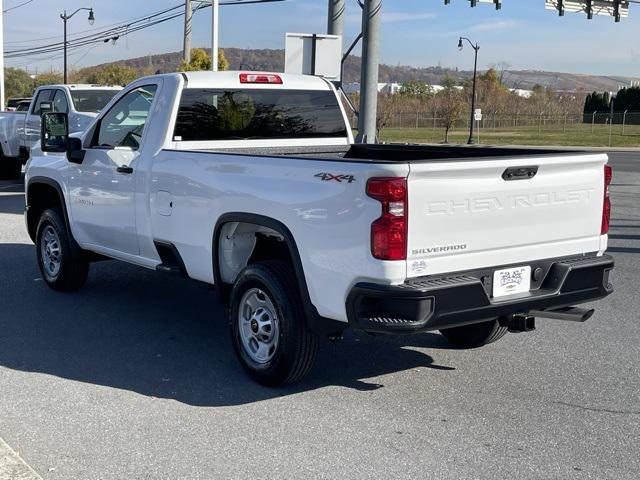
[[511, 281]]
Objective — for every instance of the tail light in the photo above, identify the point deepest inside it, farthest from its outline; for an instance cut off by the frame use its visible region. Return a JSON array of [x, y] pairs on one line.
[[389, 232], [606, 206], [260, 78]]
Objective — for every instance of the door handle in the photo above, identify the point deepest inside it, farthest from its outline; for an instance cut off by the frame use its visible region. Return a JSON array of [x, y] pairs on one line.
[[124, 169], [519, 173]]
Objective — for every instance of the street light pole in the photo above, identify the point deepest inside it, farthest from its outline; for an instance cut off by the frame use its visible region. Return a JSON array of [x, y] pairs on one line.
[[64, 18], [215, 34], [475, 47]]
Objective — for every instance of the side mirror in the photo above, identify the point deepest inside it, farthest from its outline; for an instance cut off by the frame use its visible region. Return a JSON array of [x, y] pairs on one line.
[[54, 132], [45, 107], [54, 137], [75, 152]]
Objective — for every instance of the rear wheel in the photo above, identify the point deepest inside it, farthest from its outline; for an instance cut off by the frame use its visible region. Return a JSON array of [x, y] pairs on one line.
[[10, 168], [63, 265], [268, 325], [476, 335]]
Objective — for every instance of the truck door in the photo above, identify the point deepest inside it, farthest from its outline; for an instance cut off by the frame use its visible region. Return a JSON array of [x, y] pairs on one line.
[[32, 122], [102, 188]]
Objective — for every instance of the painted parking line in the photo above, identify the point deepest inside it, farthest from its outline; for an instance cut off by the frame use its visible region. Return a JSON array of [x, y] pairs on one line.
[[12, 467]]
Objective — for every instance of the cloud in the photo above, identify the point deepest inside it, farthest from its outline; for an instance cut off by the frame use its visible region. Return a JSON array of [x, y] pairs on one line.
[[493, 26]]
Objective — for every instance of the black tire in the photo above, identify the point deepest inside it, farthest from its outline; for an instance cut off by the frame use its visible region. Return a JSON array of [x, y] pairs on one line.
[[72, 263], [10, 168], [294, 353], [476, 335]]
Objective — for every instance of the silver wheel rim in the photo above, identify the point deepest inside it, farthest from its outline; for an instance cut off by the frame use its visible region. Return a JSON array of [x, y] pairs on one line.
[[258, 326], [50, 251]]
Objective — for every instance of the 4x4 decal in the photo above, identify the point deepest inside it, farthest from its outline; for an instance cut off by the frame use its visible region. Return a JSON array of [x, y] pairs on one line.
[[327, 177]]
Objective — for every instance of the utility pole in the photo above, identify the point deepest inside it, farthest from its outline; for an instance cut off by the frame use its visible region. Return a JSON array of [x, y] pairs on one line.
[[371, 17], [188, 15], [335, 19], [1, 56], [215, 15], [64, 68]]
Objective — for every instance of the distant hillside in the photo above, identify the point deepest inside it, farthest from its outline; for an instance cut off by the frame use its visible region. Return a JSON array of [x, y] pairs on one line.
[[273, 60]]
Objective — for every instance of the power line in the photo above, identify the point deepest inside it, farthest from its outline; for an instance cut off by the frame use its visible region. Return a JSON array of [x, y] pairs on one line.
[[17, 6], [100, 35], [121, 22], [121, 30]]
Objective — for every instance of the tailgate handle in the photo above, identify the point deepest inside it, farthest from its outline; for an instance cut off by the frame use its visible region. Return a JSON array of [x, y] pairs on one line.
[[519, 173]]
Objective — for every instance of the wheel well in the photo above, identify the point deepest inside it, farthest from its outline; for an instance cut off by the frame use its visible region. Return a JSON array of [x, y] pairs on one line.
[[242, 243], [255, 238], [40, 196]]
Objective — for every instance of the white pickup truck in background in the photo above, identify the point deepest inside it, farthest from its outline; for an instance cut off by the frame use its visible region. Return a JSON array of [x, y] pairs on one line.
[[20, 130], [251, 182]]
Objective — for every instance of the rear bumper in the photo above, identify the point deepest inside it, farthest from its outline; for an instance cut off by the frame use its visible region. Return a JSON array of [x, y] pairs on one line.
[[439, 302]]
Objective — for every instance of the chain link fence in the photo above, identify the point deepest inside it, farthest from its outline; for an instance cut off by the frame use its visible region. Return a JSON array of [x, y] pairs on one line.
[[600, 129]]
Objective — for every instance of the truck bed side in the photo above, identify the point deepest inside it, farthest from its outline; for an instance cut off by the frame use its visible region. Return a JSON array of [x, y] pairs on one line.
[[330, 220]]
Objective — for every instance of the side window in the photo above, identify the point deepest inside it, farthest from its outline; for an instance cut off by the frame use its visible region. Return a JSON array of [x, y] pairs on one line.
[[123, 125], [43, 96], [60, 103]]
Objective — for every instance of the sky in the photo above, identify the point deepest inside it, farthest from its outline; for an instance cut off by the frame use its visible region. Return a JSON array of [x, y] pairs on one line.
[[414, 32]]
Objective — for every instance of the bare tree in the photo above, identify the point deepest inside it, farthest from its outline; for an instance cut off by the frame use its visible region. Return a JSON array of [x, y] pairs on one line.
[[502, 68], [451, 104]]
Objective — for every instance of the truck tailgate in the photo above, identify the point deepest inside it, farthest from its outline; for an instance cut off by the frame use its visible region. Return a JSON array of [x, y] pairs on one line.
[[468, 213]]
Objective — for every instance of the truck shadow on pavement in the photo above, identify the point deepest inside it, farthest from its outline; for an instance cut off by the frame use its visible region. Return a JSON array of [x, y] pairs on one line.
[[164, 337], [623, 250], [12, 203], [12, 196]]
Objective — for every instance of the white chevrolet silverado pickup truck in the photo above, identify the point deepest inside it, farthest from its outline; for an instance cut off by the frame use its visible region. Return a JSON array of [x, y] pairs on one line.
[[20, 130], [251, 182]]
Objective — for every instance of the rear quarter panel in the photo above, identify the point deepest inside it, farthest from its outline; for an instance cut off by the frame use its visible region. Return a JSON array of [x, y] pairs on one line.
[[329, 220]]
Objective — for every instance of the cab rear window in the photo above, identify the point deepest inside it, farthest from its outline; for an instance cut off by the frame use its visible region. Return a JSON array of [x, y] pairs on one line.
[[92, 100], [211, 114]]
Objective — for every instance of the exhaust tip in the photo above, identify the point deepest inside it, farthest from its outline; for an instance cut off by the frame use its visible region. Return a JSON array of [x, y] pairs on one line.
[[588, 314], [569, 314]]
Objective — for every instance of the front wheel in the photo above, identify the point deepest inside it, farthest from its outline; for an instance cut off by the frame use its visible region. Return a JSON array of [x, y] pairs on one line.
[[268, 325], [476, 335], [63, 265]]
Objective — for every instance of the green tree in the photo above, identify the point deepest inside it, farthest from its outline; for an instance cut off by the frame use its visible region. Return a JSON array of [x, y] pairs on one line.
[[235, 115], [17, 83], [587, 103], [201, 60], [112, 75], [223, 63], [417, 89], [538, 89], [628, 98], [48, 78], [600, 102]]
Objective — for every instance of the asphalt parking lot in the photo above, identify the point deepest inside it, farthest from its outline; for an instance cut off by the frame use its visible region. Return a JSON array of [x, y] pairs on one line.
[[134, 377]]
